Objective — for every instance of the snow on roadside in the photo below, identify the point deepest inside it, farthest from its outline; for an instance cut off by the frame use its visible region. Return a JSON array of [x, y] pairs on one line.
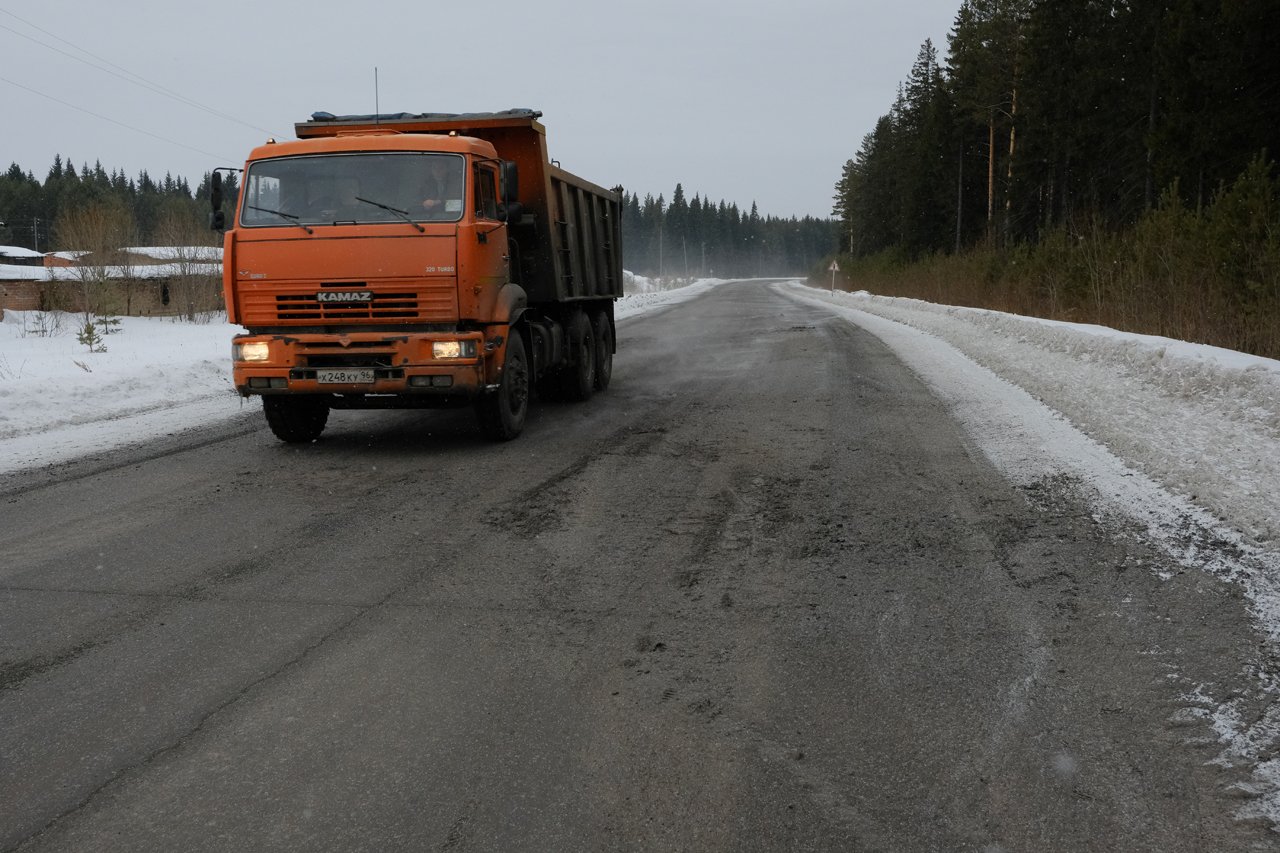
[[53, 381], [1203, 421], [1046, 401], [59, 401], [1043, 400], [648, 294]]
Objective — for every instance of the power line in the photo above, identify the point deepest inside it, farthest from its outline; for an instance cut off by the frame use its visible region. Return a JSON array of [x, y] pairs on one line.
[[137, 79], [115, 122]]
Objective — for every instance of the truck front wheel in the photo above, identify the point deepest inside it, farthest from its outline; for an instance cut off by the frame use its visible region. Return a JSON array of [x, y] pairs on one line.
[[296, 420], [502, 413]]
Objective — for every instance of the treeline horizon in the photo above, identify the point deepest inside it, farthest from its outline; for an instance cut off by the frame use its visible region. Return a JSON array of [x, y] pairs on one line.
[[147, 210], [1106, 162], [700, 238], [682, 238]]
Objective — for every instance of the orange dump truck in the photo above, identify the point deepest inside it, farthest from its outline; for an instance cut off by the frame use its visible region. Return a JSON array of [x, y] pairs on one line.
[[399, 261]]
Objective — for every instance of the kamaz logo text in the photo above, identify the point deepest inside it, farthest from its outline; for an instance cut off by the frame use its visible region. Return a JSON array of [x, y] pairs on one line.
[[344, 296]]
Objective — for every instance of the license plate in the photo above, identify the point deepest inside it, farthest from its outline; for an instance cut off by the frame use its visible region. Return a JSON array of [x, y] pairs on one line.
[[344, 376]]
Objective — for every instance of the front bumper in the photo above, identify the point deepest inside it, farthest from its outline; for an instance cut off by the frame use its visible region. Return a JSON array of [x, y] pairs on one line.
[[380, 364]]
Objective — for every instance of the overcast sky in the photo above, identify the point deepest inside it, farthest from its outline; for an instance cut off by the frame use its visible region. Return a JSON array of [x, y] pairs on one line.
[[752, 100]]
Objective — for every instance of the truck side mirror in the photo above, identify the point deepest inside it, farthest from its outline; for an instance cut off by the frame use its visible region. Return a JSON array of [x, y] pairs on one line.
[[510, 182]]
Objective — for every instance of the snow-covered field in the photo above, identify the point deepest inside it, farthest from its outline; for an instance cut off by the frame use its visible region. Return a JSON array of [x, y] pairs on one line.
[[1181, 439], [59, 401]]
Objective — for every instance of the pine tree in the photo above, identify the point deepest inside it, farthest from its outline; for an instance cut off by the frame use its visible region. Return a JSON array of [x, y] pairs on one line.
[[987, 52], [677, 225], [842, 201], [694, 236]]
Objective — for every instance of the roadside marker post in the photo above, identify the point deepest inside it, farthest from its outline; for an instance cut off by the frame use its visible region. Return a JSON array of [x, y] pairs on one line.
[[835, 268]]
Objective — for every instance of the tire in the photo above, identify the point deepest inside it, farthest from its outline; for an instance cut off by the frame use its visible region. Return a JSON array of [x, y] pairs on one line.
[[578, 379], [502, 413], [297, 420], [602, 329]]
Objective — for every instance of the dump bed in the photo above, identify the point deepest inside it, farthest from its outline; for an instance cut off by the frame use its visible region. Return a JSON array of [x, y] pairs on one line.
[[568, 244]]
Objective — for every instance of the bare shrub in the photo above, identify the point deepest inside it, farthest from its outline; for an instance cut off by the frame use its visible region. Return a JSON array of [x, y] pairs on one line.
[[195, 294], [41, 324], [100, 229]]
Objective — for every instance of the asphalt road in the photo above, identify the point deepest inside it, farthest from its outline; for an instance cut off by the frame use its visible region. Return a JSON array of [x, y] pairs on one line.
[[763, 594]]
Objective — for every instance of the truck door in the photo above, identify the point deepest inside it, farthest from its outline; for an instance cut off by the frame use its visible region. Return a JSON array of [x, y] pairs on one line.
[[488, 247]]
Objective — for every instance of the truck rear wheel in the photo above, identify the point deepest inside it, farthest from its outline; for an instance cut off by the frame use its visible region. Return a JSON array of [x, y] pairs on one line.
[[502, 413], [578, 380], [603, 331], [296, 420]]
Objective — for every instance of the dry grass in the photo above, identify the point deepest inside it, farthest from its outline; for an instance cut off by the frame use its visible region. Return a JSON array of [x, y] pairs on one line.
[[1210, 277]]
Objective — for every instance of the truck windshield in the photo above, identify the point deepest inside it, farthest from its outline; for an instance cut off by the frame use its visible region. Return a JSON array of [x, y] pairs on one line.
[[344, 188]]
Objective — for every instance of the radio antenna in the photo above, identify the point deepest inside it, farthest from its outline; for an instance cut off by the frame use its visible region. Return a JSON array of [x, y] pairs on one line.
[[377, 110]]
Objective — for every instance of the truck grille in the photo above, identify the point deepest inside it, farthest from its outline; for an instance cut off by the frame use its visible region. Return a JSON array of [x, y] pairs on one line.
[[402, 302], [384, 306]]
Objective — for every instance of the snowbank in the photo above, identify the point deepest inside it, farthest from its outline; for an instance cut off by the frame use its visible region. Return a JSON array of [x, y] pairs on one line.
[[1202, 421], [649, 294], [58, 400]]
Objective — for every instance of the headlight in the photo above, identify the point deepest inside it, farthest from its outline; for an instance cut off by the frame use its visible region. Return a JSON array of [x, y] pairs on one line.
[[453, 349], [251, 351]]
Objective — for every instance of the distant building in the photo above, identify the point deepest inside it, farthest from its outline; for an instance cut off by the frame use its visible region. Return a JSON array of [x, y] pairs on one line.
[[62, 259], [19, 257], [137, 280]]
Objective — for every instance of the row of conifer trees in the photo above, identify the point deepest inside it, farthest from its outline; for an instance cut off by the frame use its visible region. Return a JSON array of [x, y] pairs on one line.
[[1107, 162], [698, 238], [147, 211]]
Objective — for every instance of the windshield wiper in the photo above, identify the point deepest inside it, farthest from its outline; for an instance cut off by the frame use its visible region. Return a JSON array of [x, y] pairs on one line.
[[292, 217], [403, 214]]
